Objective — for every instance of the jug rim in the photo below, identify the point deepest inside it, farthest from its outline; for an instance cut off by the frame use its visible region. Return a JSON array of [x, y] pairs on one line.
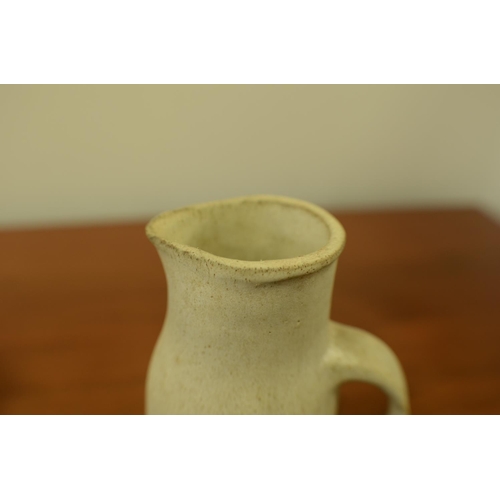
[[258, 270]]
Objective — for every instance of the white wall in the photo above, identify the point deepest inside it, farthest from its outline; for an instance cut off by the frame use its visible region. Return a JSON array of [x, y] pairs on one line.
[[101, 153]]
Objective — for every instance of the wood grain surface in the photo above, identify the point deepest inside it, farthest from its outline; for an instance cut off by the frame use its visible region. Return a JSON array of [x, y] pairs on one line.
[[81, 308]]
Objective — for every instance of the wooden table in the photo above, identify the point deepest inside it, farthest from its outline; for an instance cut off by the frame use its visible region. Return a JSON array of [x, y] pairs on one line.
[[80, 310]]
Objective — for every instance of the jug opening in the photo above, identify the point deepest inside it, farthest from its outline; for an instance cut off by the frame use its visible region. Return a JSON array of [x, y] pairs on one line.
[[250, 230], [261, 238]]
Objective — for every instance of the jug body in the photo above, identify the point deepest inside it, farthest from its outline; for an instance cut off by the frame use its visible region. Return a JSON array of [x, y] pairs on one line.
[[247, 328]]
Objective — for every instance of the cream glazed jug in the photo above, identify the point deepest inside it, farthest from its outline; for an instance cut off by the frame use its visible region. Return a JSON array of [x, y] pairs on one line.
[[248, 327]]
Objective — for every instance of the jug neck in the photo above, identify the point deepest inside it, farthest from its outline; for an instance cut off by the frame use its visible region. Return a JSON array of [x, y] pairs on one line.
[[268, 321]]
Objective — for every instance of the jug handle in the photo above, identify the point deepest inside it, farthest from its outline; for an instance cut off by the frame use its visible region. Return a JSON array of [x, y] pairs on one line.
[[355, 354]]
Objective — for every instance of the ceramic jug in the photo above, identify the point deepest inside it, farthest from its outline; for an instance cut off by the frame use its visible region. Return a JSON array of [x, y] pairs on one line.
[[248, 328]]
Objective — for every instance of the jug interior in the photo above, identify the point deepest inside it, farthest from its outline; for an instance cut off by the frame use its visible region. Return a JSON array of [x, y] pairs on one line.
[[252, 230]]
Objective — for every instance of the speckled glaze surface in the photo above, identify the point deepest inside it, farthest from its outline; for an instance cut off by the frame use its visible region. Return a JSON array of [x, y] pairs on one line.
[[247, 329]]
